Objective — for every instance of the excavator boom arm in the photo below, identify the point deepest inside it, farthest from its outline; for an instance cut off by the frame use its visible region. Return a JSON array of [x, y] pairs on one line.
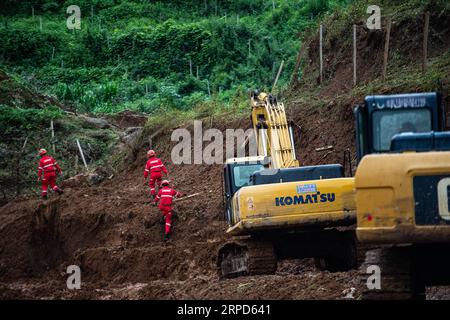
[[273, 133]]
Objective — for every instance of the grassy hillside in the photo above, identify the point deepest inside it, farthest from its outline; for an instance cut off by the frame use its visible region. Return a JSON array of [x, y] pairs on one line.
[[139, 54]]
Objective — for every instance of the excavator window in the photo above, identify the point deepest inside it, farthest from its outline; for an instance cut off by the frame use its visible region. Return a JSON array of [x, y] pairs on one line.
[[242, 174], [387, 123]]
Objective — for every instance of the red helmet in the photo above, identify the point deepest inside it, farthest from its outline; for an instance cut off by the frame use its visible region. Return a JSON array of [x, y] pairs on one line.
[[42, 152], [151, 153], [165, 182]]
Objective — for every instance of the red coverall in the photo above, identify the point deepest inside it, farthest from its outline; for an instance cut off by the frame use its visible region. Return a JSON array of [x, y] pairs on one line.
[[166, 195], [47, 174], [155, 167]]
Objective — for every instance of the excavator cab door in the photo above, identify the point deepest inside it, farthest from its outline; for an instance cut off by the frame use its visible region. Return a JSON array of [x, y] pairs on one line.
[[235, 176], [361, 131], [227, 193]]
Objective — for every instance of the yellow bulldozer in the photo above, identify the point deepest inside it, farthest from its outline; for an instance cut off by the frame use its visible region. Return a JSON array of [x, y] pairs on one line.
[[277, 209], [402, 194]]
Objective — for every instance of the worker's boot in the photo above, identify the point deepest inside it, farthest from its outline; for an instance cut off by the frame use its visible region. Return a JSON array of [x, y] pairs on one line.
[[60, 191], [166, 236]]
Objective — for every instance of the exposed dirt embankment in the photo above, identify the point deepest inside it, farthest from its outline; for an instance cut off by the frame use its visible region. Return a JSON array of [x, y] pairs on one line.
[[404, 56]]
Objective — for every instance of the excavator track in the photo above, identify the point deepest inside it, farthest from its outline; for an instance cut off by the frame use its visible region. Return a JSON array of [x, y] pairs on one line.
[[397, 277], [246, 257]]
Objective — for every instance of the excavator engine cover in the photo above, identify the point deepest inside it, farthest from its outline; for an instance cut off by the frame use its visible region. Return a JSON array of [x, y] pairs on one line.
[[421, 142]]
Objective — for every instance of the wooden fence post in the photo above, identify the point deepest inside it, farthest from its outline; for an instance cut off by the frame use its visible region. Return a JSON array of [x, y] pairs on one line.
[[321, 53], [76, 164], [209, 89], [425, 41], [386, 47], [354, 55], [82, 155], [24, 144], [53, 135], [278, 75]]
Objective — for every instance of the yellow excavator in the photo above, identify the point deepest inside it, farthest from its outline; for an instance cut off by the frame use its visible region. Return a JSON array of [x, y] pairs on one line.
[[277, 209], [403, 194]]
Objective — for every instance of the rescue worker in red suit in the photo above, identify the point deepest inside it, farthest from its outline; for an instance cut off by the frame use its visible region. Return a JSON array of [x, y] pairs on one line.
[[47, 173], [154, 167], [165, 197]]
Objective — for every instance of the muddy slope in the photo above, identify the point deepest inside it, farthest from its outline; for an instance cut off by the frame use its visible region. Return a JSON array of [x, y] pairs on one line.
[[114, 234]]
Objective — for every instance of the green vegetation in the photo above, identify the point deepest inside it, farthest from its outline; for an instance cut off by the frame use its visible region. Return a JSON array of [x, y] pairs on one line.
[[13, 119], [144, 55]]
